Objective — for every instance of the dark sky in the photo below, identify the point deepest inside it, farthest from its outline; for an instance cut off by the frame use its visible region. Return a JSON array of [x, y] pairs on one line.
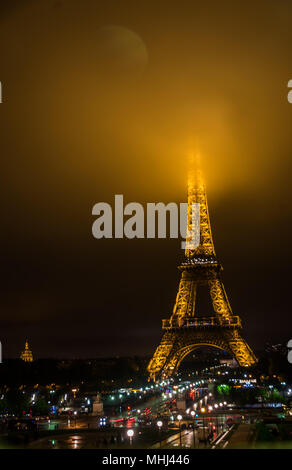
[[105, 98]]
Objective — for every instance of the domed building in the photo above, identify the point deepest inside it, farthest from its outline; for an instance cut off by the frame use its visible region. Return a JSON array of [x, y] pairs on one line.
[[26, 355]]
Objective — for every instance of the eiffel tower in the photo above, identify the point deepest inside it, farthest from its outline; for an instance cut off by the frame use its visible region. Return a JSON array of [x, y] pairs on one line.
[[185, 330]]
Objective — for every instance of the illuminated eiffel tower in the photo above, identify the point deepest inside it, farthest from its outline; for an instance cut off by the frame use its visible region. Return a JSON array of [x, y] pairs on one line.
[[185, 330]]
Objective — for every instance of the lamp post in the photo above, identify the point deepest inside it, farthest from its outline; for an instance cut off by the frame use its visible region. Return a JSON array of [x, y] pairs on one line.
[[159, 424], [216, 419], [179, 417], [130, 434], [194, 432], [204, 431]]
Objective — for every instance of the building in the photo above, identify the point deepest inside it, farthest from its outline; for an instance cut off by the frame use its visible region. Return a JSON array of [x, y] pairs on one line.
[[26, 355]]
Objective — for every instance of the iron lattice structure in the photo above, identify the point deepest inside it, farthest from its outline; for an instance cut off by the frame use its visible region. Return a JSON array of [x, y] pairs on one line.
[[185, 330]]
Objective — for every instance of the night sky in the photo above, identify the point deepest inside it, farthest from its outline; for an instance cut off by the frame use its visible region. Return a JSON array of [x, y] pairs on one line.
[[104, 98]]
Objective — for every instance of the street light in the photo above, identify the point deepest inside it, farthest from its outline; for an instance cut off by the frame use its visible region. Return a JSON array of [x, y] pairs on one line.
[[203, 411], [159, 424], [194, 434], [130, 434], [179, 417]]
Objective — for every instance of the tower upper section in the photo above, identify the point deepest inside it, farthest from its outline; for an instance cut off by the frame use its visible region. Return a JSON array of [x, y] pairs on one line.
[[205, 252]]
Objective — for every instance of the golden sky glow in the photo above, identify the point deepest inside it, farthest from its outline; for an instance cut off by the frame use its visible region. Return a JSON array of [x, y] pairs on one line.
[[105, 98], [117, 114]]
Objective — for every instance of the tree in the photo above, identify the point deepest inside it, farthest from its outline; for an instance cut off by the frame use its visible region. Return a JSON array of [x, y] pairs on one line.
[[41, 407]]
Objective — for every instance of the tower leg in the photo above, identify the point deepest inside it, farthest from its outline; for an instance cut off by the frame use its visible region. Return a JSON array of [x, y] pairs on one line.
[[241, 350], [161, 354], [176, 344]]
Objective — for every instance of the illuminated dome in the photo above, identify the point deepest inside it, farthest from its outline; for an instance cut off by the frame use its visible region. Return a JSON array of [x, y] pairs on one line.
[[26, 355]]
